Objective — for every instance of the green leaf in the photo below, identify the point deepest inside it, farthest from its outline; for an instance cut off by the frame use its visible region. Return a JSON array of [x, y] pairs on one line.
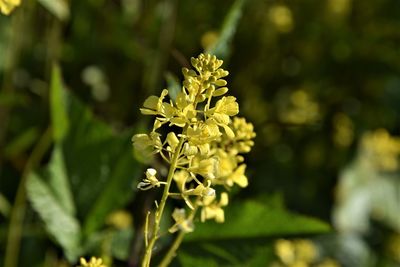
[[100, 165], [63, 226], [254, 220], [121, 243], [58, 106], [227, 253], [58, 180], [58, 8], [221, 48], [246, 238]]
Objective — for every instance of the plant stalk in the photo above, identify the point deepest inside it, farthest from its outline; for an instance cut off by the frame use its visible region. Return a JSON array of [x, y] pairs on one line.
[[178, 240], [160, 209]]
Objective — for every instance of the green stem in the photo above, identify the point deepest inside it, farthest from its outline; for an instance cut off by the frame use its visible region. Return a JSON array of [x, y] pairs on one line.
[[178, 240], [160, 209], [18, 210]]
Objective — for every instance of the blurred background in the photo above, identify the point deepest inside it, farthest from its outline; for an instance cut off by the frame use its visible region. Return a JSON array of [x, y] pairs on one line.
[[320, 81]]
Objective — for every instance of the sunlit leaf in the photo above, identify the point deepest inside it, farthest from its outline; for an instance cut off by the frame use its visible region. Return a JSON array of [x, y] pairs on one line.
[[59, 222], [58, 8]]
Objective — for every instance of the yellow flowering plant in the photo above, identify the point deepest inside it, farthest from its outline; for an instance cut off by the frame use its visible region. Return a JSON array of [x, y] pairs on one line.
[[93, 262], [204, 156], [7, 6]]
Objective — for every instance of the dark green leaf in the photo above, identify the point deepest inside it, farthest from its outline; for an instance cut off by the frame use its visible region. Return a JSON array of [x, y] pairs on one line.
[[254, 220], [58, 106], [222, 46]]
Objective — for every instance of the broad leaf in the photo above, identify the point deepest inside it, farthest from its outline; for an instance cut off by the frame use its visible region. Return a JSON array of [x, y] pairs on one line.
[[58, 180], [59, 222], [253, 219]]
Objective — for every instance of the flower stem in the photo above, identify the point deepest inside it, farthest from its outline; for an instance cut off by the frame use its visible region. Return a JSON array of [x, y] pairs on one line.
[[178, 240], [160, 208]]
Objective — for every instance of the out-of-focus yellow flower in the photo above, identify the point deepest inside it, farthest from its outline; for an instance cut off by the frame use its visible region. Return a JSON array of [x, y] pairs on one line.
[[209, 39], [305, 250], [212, 209], [339, 7], [300, 109], [120, 219], [343, 134], [284, 249], [7, 6], [182, 223], [381, 150], [281, 17], [299, 253], [296, 253], [94, 262]]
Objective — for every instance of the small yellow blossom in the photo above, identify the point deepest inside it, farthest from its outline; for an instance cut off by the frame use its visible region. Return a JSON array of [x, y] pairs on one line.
[[212, 209], [181, 222], [150, 181], [172, 141], [153, 105], [205, 167], [7, 6], [203, 132], [147, 143], [94, 262]]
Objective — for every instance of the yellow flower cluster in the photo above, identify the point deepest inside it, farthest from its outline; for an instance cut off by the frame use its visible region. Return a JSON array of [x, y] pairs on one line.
[[299, 109], [94, 262], [7, 6], [300, 253], [381, 150], [207, 150]]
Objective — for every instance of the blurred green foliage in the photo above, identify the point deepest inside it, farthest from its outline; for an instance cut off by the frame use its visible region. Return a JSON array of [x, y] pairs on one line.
[[313, 76]]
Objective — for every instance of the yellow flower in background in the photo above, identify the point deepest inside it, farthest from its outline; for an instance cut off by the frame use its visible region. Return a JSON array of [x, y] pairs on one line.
[[381, 150], [300, 252], [120, 219], [94, 262], [7, 6], [181, 222], [281, 17]]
